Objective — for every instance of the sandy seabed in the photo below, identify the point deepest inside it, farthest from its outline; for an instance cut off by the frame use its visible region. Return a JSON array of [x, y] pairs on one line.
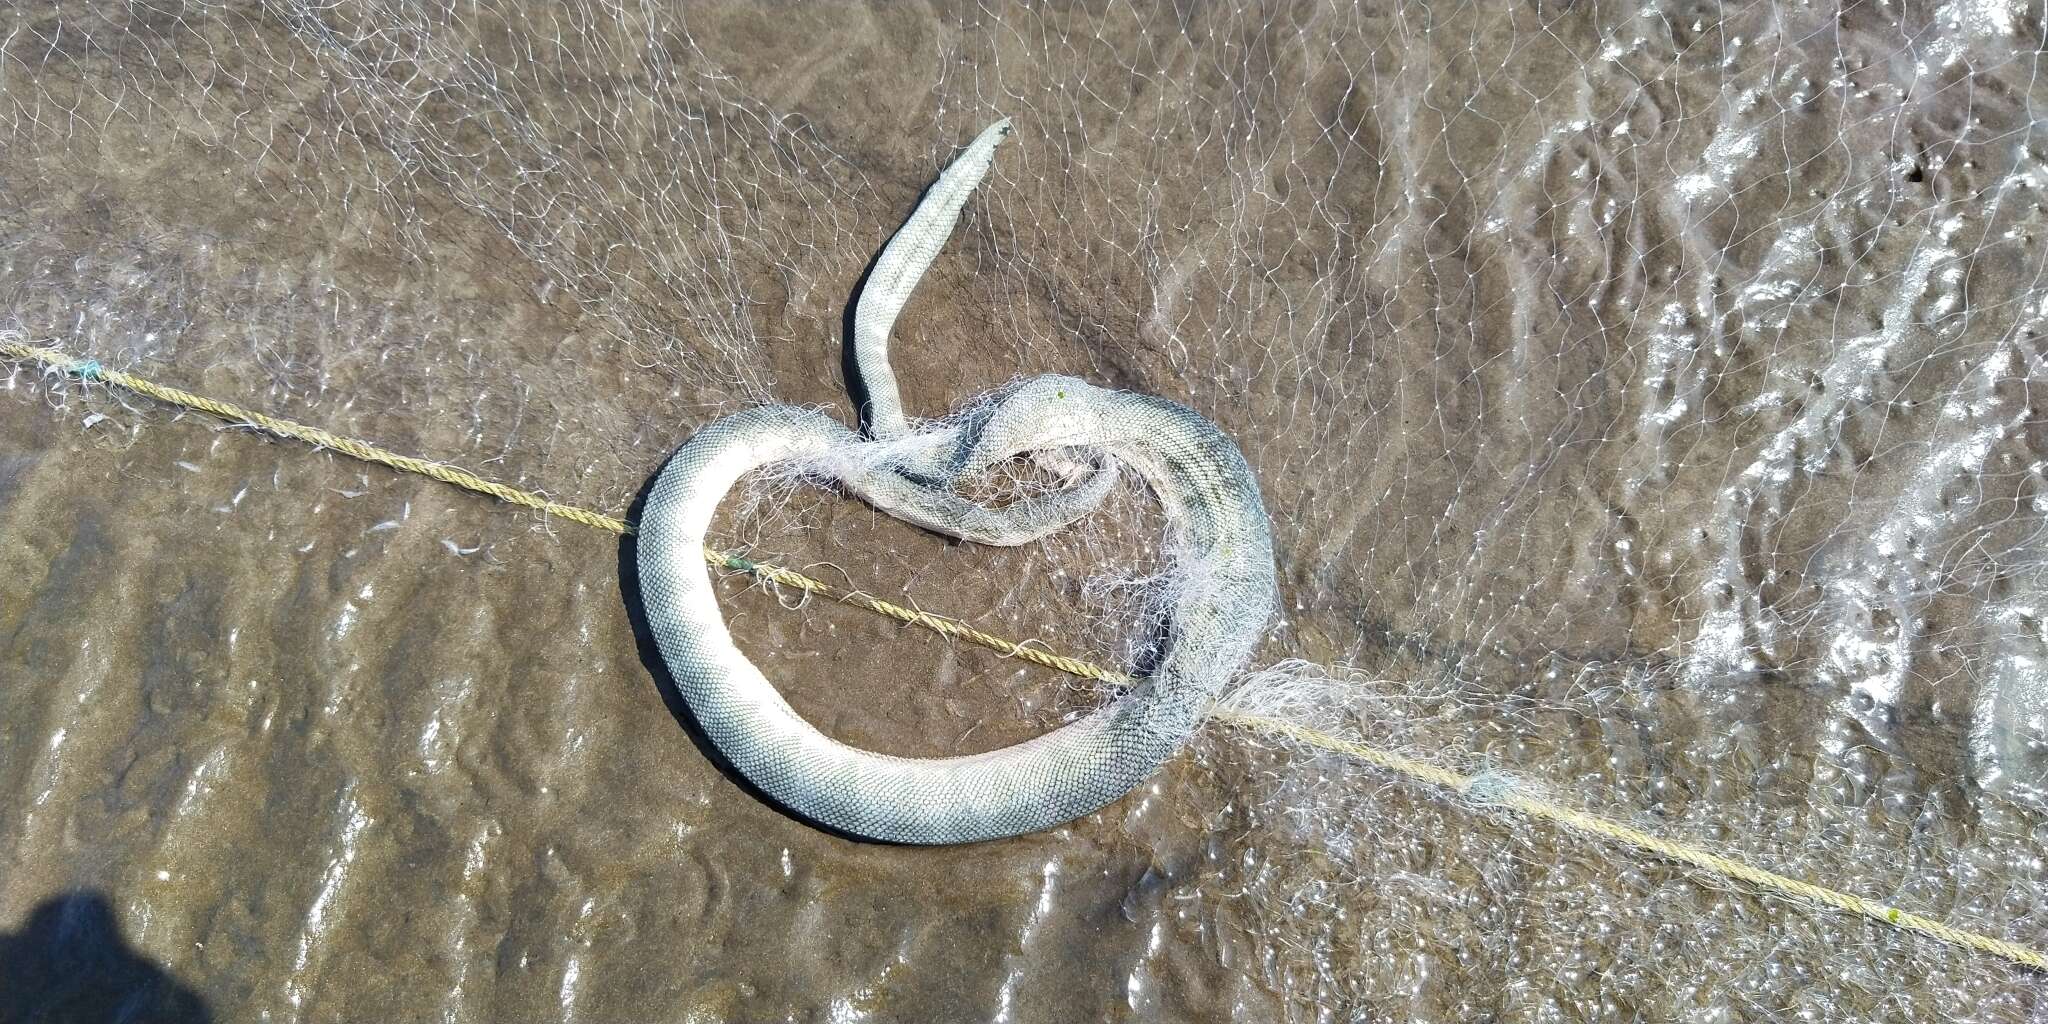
[[1647, 400]]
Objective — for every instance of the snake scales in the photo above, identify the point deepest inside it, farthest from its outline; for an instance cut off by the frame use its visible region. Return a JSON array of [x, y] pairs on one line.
[[1222, 595]]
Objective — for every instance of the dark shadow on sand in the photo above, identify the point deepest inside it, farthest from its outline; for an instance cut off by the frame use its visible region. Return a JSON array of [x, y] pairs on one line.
[[69, 964], [849, 364]]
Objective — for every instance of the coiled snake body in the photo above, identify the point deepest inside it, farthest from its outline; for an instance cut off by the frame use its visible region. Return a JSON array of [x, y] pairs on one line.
[[1222, 596]]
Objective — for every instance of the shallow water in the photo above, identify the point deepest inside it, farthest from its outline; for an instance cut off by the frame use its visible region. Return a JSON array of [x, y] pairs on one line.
[[1646, 400]]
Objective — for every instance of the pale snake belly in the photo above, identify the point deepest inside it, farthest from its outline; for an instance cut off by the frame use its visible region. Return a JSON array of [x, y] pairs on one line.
[[1221, 596]]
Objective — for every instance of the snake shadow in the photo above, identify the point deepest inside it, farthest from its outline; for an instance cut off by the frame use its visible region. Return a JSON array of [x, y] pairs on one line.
[[849, 360], [665, 682]]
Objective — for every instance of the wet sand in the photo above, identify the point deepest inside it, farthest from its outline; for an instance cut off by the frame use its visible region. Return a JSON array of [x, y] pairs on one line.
[[1591, 365]]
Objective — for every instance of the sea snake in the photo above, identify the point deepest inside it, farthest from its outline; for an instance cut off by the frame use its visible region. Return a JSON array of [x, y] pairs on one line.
[[1217, 604]]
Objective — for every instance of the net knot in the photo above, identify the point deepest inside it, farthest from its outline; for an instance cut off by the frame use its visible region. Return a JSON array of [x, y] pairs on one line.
[[1491, 788]]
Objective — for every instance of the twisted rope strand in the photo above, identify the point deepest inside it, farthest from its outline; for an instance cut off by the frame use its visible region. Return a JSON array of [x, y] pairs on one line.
[[1481, 789]]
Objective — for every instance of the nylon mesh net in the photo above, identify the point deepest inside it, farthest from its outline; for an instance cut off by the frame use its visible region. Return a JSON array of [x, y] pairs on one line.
[[1645, 397]]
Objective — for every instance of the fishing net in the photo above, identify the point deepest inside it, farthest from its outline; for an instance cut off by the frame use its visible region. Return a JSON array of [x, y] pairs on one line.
[[1645, 398]]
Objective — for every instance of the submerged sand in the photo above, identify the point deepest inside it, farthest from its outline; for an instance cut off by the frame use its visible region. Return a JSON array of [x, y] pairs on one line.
[[1646, 401]]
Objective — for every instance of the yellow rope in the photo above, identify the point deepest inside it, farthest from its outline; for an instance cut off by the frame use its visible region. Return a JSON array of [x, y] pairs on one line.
[[91, 370], [1459, 784], [1506, 796]]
